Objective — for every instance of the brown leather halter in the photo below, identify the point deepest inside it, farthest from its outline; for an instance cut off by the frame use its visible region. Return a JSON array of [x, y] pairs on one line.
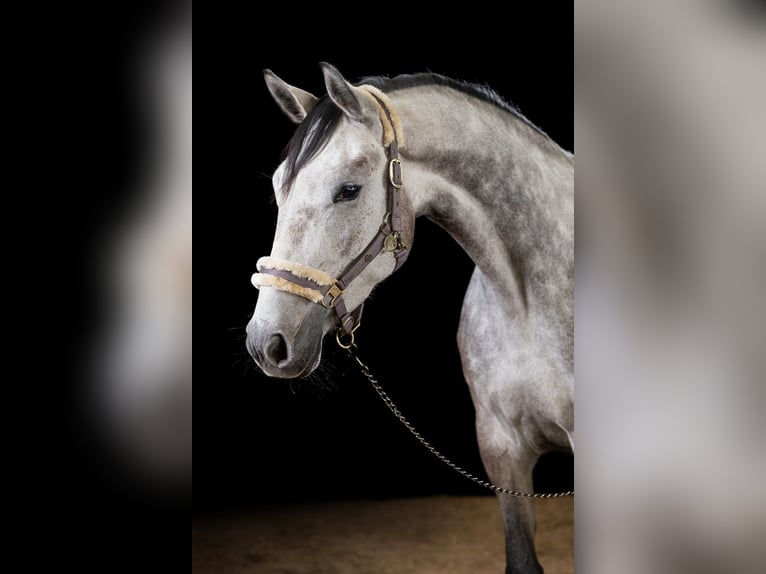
[[317, 286]]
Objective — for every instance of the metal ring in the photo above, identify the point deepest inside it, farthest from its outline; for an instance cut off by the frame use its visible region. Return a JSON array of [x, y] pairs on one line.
[[391, 173], [385, 227], [350, 339]]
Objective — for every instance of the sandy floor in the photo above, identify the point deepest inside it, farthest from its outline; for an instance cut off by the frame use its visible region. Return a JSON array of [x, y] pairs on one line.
[[438, 535]]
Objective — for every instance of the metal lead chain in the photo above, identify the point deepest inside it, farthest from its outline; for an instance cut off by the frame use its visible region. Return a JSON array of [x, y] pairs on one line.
[[365, 370]]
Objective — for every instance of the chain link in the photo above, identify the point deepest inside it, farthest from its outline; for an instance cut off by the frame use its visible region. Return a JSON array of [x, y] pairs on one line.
[[365, 370]]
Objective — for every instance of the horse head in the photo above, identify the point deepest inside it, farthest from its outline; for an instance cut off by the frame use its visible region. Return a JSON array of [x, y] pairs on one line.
[[333, 191]]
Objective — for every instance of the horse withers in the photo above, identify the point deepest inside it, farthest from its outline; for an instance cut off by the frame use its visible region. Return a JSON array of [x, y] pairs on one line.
[[498, 185]]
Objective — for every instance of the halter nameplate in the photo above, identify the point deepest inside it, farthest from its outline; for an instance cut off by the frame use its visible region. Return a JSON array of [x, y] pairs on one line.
[[316, 285]]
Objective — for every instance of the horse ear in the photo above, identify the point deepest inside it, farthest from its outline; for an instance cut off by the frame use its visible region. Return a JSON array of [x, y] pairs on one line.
[[296, 103], [345, 96]]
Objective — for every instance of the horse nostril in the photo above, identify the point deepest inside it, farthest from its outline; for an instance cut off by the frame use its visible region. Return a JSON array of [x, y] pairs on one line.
[[275, 350]]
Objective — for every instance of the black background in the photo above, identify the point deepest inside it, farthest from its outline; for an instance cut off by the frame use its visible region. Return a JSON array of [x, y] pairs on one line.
[[261, 440], [79, 143]]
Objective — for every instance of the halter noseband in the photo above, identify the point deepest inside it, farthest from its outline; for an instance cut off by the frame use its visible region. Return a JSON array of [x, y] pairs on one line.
[[319, 287]]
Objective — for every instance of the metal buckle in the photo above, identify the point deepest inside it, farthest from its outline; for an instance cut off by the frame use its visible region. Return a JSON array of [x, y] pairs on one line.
[[334, 291], [391, 178]]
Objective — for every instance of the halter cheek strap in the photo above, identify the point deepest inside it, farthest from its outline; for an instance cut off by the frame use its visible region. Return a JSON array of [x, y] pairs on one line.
[[319, 287]]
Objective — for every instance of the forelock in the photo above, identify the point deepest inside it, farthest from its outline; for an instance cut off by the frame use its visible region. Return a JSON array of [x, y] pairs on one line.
[[310, 138]]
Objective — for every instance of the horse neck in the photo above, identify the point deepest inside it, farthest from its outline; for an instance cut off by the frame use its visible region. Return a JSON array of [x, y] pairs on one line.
[[502, 189]]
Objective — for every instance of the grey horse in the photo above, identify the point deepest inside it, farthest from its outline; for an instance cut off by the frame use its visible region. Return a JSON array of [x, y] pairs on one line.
[[499, 186]]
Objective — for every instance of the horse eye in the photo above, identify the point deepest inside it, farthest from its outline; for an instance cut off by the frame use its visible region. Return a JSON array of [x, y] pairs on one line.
[[347, 192]]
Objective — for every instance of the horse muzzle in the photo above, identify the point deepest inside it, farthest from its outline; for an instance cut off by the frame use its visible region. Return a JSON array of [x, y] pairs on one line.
[[285, 337]]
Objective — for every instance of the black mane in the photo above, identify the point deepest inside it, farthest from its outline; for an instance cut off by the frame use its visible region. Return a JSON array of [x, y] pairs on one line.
[[482, 92], [322, 121]]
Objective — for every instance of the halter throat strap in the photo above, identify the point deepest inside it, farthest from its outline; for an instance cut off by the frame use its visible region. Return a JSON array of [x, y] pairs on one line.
[[319, 287]]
